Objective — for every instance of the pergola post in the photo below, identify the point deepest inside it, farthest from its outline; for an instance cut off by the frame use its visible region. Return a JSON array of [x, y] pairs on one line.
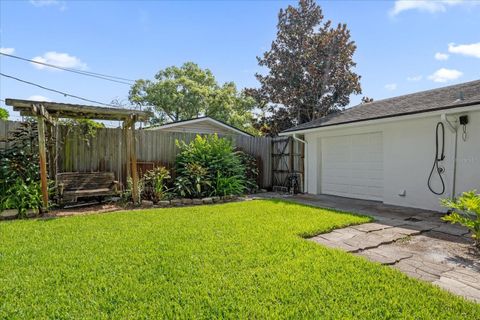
[[133, 161], [129, 126], [43, 158]]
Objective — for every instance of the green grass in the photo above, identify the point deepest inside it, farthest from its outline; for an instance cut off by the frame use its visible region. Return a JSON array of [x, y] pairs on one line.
[[237, 260]]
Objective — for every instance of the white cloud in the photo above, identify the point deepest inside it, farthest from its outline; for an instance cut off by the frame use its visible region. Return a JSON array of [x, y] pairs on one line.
[[472, 49], [430, 6], [391, 86], [38, 98], [415, 78], [63, 60], [47, 3], [445, 75], [441, 56], [7, 50]]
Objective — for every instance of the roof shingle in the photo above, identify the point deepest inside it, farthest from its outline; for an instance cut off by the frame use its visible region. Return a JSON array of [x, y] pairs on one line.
[[424, 101]]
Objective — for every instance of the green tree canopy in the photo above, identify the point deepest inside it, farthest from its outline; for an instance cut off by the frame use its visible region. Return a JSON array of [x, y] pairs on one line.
[[3, 114], [310, 67], [186, 92]]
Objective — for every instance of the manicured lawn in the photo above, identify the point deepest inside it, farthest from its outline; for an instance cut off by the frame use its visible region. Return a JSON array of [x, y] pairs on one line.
[[237, 260]]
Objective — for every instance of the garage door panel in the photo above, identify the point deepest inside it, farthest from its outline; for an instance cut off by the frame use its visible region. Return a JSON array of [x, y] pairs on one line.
[[352, 166]]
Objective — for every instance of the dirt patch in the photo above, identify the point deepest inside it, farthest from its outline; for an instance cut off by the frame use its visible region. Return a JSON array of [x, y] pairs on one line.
[[86, 209], [443, 248]]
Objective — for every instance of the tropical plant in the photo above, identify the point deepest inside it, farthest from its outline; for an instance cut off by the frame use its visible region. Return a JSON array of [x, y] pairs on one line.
[[22, 196], [197, 184], [19, 170], [155, 184], [466, 211], [233, 185], [200, 163]]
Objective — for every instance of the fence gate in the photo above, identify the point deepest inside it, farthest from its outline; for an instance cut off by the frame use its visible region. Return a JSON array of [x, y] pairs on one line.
[[287, 165]]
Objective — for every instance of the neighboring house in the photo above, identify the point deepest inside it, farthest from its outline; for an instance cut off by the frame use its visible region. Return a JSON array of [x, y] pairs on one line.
[[384, 150], [202, 125]]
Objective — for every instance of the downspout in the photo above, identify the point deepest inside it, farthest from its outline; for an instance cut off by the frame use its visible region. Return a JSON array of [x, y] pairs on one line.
[[305, 175]]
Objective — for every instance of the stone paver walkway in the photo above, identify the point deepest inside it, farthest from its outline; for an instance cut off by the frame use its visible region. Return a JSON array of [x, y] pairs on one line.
[[414, 241]]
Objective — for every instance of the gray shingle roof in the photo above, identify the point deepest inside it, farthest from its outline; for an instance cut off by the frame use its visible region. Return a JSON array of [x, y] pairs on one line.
[[443, 98]]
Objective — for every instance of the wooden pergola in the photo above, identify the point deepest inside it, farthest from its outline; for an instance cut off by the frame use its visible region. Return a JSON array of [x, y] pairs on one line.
[[48, 113]]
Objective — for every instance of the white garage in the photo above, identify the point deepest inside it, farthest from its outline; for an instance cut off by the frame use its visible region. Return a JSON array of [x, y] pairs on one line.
[[352, 166], [384, 150]]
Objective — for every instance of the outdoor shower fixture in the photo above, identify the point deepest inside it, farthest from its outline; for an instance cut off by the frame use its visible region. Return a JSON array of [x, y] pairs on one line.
[[439, 156], [437, 168]]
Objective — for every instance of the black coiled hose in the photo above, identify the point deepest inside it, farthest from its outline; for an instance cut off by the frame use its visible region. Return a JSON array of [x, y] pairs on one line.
[[438, 157]]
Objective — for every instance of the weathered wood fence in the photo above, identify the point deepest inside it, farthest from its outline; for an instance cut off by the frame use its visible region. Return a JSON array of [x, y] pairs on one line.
[[105, 151], [5, 128], [277, 158]]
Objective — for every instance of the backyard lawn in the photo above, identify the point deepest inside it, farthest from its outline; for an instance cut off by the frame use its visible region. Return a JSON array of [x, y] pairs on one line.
[[236, 260]]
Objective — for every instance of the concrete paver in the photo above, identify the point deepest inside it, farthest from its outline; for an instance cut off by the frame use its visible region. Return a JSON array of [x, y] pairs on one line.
[[414, 241]]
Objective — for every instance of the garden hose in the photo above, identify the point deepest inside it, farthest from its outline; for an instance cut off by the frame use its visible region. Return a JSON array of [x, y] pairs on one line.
[[438, 157]]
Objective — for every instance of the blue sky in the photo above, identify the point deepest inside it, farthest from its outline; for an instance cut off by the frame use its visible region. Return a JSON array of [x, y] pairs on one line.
[[402, 46]]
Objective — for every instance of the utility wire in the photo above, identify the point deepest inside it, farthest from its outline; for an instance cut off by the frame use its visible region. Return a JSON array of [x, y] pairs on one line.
[[57, 91], [81, 72]]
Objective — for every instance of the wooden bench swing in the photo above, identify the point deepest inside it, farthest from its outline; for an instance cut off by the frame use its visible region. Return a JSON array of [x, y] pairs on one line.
[[74, 185]]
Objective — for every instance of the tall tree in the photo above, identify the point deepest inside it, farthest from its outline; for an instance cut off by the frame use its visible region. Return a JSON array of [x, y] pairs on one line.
[[310, 66], [186, 92]]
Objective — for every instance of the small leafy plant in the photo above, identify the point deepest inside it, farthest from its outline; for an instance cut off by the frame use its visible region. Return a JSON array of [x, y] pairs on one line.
[[233, 185], [466, 211], [22, 196], [127, 195], [155, 184]]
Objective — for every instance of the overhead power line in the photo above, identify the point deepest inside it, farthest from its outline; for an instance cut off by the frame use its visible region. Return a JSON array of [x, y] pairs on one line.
[[77, 71], [56, 91]]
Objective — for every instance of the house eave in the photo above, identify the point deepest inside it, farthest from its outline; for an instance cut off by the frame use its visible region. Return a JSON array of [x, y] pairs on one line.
[[471, 106]]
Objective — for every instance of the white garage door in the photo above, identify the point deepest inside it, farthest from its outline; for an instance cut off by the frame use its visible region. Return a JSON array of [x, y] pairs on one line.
[[352, 166]]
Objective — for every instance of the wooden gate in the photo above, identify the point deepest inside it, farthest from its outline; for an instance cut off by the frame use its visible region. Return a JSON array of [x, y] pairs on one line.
[[287, 165]]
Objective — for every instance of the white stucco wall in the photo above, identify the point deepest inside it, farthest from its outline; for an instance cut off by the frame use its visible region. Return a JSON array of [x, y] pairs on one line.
[[408, 153]]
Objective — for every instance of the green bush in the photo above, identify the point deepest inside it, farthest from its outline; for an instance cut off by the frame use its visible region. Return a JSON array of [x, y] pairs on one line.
[[208, 166], [22, 196], [466, 211], [251, 171], [19, 171], [155, 184], [3, 114]]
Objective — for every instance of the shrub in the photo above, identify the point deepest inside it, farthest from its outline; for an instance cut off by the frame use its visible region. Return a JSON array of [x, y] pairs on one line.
[[251, 171], [22, 196], [155, 184], [19, 171], [208, 166], [466, 212], [3, 114]]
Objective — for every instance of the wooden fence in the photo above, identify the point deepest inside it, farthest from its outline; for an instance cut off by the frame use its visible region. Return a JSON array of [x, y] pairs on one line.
[[106, 151], [277, 158], [5, 128]]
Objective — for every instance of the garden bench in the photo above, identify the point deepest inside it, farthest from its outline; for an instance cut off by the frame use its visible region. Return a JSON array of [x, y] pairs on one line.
[[74, 185]]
